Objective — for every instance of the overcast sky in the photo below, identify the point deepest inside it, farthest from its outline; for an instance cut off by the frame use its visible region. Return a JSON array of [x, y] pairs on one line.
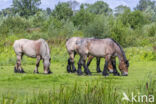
[[51, 3]]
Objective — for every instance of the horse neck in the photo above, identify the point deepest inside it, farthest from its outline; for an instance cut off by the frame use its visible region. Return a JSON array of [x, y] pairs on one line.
[[47, 54], [120, 54]]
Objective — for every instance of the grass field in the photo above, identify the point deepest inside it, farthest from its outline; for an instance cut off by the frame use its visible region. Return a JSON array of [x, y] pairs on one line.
[[66, 88]]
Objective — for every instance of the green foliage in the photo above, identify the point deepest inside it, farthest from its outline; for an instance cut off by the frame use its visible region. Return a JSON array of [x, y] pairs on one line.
[[99, 7], [149, 30], [140, 54], [7, 12], [82, 18], [39, 19], [26, 7], [98, 28], [134, 19], [121, 9], [122, 34], [62, 11], [61, 28], [15, 24], [144, 4]]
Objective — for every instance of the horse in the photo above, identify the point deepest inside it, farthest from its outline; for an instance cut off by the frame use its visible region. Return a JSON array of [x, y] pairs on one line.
[[71, 49], [35, 49], [103, 48]]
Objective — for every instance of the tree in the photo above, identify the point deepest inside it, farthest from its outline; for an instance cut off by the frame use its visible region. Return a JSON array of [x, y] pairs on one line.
[[73, 4], [48, 10], [99, 27], [62, 11], [99, 7], [7, 11], [133, 19], [144, 4], [26, 7], [82, 17], [120, 9]]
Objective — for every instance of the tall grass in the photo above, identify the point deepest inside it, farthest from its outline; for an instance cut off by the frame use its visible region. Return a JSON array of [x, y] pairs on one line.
[[96, 92]]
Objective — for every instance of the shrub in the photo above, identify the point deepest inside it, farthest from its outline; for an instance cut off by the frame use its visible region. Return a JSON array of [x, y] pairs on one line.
[[150, 29], [14, 24], [61, 28], [98, 28]]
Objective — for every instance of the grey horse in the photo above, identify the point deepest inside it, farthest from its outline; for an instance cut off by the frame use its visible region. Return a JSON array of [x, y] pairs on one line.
[[71, 45], [102, 48], [32, 48]]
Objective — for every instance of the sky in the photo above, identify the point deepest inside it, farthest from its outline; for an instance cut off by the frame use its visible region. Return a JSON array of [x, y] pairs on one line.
[[51, 3]]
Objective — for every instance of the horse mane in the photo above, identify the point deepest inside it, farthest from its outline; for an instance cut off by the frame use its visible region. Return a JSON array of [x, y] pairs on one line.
[[124, 56]]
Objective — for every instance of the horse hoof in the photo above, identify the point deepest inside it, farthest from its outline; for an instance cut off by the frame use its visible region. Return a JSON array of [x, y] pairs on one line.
[[74, 71], [105, 74], [89, 74], [50, 72], [98, 71], [22, 71], [36, 72], [15, 70], [116, 74], [80, 73]]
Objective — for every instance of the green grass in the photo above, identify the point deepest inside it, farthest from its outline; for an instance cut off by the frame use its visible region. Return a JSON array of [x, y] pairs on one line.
[[58, 88], [28, 84]]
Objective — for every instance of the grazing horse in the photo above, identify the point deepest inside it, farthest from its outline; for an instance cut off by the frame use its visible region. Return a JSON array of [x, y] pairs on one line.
[[102, 48], [71, 46], [33, 48]]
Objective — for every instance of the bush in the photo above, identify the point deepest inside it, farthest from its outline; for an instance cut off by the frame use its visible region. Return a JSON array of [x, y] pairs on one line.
[[98, 28], [140, 54], [39, 19], [61, 28], [14, 24], [150, 29]]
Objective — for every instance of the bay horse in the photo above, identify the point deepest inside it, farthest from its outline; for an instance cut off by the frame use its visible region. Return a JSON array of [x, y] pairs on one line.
[[102, 48], [32, 48], [71, 46]]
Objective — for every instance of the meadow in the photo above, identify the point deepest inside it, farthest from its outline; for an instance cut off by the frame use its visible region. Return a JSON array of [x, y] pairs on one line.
[[66, 88], [134, 29]]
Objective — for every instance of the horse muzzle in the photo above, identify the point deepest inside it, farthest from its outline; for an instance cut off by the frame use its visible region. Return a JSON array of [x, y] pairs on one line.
[[125, 74]]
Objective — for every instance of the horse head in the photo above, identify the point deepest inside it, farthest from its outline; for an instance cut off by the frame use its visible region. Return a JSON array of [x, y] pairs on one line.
[[123, 66], [46, 62]]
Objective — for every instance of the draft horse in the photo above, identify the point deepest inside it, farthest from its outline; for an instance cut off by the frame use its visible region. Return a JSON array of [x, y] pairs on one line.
[[32, 48], [102, 48], [71, 46]]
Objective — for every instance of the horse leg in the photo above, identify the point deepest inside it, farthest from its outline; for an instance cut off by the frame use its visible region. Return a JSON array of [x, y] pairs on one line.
[[86, 70], [90, 58], [115, 72], [73, 66], [72, 56], [79, 72], [105, 73], [18, 68], [69, 66], [37, 64], [98, 65], [110, 66]]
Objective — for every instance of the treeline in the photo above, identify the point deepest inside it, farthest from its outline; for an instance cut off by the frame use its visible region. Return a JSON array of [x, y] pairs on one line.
[[129, 27]]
